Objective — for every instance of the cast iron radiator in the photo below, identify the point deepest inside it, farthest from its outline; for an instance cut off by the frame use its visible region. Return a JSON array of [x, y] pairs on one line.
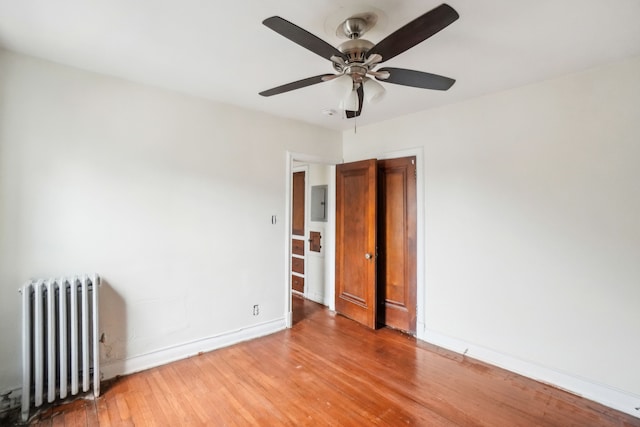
[[60, 352]]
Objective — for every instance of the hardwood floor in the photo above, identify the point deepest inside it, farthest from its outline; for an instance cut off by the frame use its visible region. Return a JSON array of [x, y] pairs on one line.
[[328, 370]]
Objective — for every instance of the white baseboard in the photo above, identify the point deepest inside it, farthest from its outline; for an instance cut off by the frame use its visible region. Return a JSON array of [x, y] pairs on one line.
[[617, 399], [182, 351]]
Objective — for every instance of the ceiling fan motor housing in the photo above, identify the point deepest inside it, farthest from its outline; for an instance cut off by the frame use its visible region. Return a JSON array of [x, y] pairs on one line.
[[355, 51]]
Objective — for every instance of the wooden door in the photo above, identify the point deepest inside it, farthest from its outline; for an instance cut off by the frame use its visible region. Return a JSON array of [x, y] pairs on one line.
[[356, 241], [397, 243]]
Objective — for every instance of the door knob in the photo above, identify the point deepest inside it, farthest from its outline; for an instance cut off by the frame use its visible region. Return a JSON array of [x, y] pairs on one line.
[[367, 256]]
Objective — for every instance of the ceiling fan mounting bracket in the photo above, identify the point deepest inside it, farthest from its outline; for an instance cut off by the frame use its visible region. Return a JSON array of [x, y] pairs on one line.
[[355, 26]]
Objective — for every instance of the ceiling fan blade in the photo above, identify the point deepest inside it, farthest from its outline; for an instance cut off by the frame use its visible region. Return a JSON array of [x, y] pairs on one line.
[[302, 37], [415, 32], [352, 114], [296, 85], [419, 79]]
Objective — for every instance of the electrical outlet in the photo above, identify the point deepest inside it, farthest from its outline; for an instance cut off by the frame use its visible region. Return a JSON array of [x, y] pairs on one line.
[[256, 309]]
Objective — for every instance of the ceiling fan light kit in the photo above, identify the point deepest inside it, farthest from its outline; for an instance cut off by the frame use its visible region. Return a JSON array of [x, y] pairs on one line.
[[355, 60], [373, 91], [342, 86], [350, 102]]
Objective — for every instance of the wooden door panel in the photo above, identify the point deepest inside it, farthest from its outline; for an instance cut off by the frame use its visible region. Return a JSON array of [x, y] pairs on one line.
[[297, 220], [394, 236], [297, 265], [297, 283], [356, 241], [355, 238], [397, 243], [314, 241], [297, 247]]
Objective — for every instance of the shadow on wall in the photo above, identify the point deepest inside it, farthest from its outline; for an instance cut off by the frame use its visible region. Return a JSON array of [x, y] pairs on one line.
[[113, 325]]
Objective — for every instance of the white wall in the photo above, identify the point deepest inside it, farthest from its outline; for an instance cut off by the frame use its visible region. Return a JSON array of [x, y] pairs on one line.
[[169, 198], [532, 222], [317, 277]]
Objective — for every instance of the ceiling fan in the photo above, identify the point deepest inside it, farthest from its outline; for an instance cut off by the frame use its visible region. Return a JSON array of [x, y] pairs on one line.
[[356, 59]]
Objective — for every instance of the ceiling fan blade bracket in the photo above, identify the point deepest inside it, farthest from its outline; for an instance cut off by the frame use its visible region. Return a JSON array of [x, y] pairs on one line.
[[339, 63], [372, 60], [379, 75], [329, 77]]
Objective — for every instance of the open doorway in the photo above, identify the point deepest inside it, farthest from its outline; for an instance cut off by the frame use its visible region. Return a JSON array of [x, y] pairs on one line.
[[310, 216], [310, 234]]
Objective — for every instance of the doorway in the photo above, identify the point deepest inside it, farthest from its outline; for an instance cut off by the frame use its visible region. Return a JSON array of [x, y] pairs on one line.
[[310, 242]]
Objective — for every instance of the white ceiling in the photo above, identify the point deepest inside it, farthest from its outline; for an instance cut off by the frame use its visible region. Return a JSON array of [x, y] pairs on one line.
[[220, 50]]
